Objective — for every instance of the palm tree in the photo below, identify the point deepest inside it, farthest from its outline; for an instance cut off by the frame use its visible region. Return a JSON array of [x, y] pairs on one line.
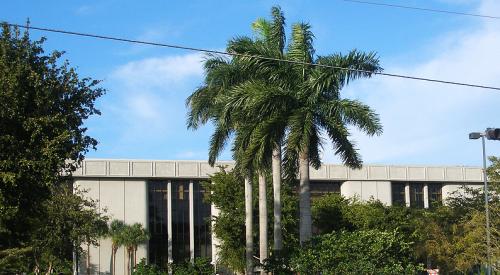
[[116, 230], [205, 105], [304, 102], [133, 235]]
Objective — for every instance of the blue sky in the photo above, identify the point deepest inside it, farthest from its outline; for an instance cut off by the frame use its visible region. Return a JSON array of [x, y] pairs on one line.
[[143, 112]]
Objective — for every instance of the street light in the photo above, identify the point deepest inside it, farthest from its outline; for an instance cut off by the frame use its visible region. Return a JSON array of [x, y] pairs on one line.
[[490, 134]]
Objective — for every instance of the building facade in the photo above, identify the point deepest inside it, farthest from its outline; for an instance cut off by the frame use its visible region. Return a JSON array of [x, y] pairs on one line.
[[166, 197]]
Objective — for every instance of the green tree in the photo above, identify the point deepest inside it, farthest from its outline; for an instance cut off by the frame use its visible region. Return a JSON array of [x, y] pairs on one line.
[[303, 101], [131, 237], [69, 221], [43, 106]]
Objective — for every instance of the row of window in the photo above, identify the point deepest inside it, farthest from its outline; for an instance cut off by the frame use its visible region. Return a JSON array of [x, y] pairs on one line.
[[417, 198], [158, 222]]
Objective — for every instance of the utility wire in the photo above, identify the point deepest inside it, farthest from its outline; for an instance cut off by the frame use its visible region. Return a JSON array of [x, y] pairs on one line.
[[420, 8], [251, 56]]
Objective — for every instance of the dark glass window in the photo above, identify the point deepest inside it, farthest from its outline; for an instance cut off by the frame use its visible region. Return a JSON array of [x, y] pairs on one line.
[[398, 193], [158, 242], [202, 215], [435, 193], [180, 221], [417, 195], [320, 188]]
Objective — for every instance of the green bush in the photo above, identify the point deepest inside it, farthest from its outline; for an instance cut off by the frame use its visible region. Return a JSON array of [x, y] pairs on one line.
[[144, 269], [359, 252]]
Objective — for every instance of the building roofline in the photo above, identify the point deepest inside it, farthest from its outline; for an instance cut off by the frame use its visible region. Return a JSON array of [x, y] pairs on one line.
[[131, 168]]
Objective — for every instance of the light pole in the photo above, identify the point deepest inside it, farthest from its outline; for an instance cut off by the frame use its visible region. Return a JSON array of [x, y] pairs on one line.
[[490, 134]]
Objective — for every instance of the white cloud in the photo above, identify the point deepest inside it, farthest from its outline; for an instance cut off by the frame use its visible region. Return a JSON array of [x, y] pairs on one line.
[[426, 122], [160, 72]]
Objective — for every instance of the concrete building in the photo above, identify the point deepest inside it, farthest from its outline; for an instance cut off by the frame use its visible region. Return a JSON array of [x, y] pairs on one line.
[[166, 197]]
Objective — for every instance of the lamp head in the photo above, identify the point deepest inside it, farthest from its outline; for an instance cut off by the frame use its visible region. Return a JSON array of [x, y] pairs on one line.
[[474, 135]]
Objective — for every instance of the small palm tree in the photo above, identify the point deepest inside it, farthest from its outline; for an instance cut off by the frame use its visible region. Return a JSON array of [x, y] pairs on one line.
[[116, 230], [136, 235]]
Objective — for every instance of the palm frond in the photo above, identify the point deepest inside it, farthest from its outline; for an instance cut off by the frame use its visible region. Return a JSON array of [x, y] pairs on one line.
[[352, 112]]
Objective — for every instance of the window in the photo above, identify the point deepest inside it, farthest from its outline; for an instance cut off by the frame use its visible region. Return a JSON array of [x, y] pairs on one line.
[[435, 193], [417, 195], [202, 215], [398, 193], [157, 208], [180, 221], [320, 188]]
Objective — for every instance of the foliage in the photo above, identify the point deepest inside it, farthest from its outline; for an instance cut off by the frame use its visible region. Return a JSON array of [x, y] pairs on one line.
[[143, 268], [225, 190], [455, 234], [201, 266], [43, 106], [129, 236], [70, 220], [358, 252]]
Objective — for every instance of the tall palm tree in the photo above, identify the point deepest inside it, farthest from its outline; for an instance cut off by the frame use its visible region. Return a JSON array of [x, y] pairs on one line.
[[205, 105], [304, 102]]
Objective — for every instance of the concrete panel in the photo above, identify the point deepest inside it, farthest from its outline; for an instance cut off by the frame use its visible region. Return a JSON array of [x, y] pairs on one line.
[[187, 169], [416, 173], [397, 173], [453, 174], [142, 169], [351, 189], [165, 169], [79, 170], [105, 258], [207, 170], [384, 192], [377, 172], [95, 168], [94, 264], [112, 197], [136, 209], [369, 190], [321, 173], [338, 172], [435, 173], [473, 174], [119, 168], [358, 174], [90, 187]]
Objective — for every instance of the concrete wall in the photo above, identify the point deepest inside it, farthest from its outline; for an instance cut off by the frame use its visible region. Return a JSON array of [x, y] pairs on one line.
[[122, 199], [366, 190]]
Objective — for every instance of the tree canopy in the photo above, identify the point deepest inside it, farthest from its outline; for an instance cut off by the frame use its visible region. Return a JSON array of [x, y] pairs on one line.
[[43, 106]]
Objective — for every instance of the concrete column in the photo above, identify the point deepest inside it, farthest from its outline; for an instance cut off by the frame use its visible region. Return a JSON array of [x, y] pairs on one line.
[[426, 195], [169, 223], [191, 221], [215, 240], [407, 194]]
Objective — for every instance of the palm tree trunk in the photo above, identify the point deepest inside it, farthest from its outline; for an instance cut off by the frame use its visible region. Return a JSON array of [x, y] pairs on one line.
[[305, 197], [262, 219], [128, 260], [113, 259], [87, 266], [248, 226], [276, 168]]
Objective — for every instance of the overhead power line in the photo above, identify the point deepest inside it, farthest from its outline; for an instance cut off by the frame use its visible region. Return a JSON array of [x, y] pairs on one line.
[[251, 56], [420, 8]]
